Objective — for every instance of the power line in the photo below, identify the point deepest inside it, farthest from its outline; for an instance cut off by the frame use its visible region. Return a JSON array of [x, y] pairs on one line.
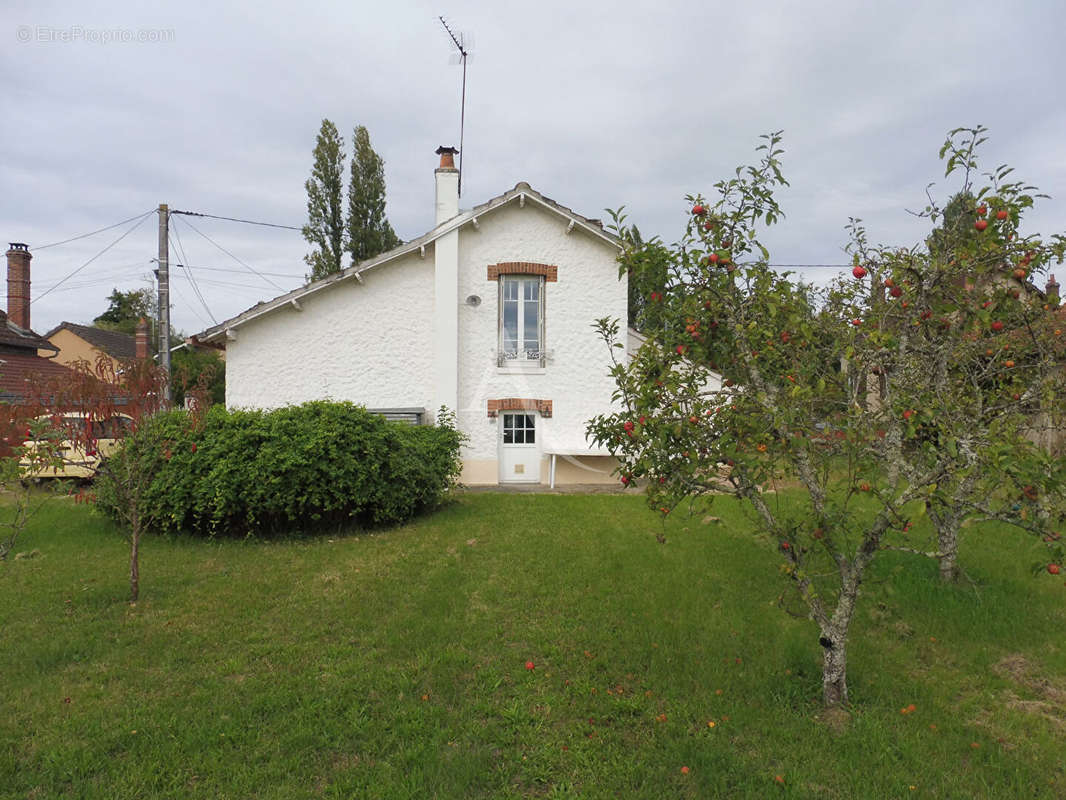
[[235, 219], [91, 260], [93, 233], [241, 271], [228, 253], [245, 286], [192, 280], [190, 306], [112, 278]]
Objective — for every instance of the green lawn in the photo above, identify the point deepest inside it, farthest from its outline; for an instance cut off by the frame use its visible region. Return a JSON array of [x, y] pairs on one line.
[[394, 665]]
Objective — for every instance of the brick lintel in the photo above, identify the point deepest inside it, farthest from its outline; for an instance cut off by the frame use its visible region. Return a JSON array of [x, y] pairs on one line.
[[549, 271], [544, 407]]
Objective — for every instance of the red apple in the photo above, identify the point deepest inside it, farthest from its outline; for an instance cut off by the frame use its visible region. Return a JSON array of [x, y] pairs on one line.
[[713, 258], [680, 349], [981, 224], [997, 326], [1053, 569], [699, 210], [982, 210], [856, 322], [859, 272], [895, 291], [1001, 214], [530, 665]]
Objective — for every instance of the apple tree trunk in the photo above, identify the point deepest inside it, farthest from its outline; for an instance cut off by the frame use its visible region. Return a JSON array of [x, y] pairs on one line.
[[834, 670], [135, 567]]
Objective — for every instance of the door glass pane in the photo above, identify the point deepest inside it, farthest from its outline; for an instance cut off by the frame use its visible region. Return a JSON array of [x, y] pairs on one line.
[[529, 429]]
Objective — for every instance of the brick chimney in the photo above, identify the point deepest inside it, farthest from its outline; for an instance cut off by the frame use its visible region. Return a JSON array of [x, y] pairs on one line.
[[141, 339], [447, 179], [1052, 288], [18, 284]]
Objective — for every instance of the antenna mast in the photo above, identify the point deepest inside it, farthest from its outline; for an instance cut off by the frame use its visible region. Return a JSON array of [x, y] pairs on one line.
[[463, 54]]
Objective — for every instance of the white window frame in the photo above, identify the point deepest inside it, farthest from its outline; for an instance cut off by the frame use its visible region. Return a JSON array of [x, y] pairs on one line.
[[515, 358]]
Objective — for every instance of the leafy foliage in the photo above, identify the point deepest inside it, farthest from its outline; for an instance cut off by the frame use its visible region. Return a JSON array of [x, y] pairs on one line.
[[874, 394], [325, 213], [125, 309], [195, 366], [369, 231], [297, 468]]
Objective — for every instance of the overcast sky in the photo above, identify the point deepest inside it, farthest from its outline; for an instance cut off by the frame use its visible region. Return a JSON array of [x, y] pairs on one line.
[[595, 106]]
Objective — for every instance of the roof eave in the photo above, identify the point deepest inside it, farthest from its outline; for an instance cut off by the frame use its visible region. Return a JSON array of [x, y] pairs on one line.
[[213, 334]]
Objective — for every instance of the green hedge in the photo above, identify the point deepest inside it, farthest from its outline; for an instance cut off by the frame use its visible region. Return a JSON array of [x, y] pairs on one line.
[[290, 470]]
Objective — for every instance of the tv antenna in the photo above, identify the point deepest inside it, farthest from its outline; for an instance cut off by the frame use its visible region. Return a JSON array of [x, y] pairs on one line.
[[462, 44]]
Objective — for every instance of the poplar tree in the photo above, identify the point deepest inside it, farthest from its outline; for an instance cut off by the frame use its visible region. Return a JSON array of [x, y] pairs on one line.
[[325, 213], [369, 231]]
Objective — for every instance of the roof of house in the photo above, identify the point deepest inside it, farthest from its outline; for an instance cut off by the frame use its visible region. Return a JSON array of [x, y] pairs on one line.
[[115, 344], [18, 369], [521, 193], [14, 336]]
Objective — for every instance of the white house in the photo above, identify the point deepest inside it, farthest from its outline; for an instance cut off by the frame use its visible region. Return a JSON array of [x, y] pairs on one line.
[[489, 314]]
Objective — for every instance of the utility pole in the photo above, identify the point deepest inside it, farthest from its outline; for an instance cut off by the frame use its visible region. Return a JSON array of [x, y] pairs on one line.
[[163, 274]]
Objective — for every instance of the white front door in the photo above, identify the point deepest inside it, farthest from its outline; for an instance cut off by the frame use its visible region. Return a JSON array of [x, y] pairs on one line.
[[519, 447]]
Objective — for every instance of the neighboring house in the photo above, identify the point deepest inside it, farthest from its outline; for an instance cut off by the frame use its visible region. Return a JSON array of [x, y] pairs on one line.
[[21, 360], [490, 314], [86, 343]]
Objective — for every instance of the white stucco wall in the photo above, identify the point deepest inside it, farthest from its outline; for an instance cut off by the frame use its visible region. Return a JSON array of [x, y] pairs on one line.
[[369, 343], [576, 377], [373, 343]]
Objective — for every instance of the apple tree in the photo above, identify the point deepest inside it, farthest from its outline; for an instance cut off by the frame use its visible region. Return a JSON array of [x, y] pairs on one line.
[[827, 389], [104, 393], [966, 357]]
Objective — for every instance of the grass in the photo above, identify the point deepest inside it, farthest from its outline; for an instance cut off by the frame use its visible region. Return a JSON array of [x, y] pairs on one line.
[[392, 665]]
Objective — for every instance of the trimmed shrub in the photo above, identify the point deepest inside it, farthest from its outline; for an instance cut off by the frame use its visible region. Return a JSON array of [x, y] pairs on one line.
[[294, 469]]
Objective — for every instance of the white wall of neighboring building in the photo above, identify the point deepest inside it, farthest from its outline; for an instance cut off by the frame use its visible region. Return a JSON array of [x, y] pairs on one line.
[[369, 343]]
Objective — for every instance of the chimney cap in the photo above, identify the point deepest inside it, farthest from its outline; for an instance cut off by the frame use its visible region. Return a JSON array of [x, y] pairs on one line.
[[19, 246], [447, 156]]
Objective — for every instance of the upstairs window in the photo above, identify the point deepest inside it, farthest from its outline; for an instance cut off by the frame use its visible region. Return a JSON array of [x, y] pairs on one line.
[[521, 319]]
